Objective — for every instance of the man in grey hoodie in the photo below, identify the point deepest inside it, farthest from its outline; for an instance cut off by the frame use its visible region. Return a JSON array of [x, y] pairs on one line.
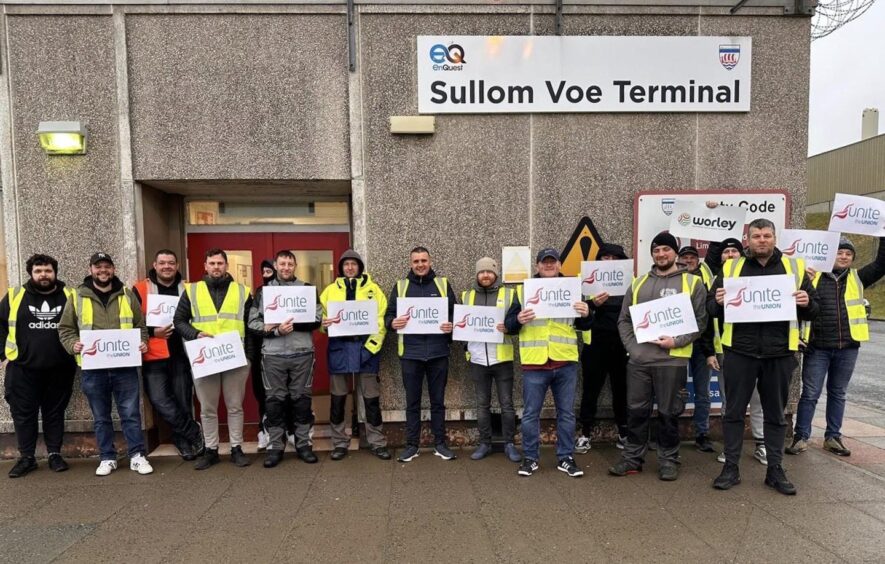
[[288, 362], [658, 369]]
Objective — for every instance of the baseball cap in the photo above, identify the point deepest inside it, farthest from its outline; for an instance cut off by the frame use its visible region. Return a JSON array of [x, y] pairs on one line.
[[100, 257], [549, 252]]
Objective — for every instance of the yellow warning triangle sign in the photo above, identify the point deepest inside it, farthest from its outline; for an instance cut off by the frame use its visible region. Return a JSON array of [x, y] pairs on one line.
[[583, 245]]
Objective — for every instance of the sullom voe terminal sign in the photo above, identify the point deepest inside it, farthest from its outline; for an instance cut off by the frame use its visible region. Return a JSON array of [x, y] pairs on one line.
[[527, 74]]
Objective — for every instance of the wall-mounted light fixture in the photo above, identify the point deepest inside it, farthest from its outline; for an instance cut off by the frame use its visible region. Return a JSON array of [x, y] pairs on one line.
[[412, 125], [62, 137]]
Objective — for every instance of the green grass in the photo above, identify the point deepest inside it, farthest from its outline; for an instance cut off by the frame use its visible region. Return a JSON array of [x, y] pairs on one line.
[[866, 248]]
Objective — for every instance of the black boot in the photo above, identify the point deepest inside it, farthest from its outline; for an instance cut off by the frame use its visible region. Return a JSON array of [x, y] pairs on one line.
[[776, 478], [238, 457], [24, 465], [306, 454], [272, 457], [338, 453], [209, 458], [730, 476]]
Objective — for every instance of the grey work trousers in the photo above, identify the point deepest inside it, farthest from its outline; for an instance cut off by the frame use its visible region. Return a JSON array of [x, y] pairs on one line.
[[501, 375], [209, 389], [290, 375], [645, 384], [370, 390]]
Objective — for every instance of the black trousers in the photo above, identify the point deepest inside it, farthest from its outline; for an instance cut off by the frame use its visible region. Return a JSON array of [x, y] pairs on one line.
[[605, 357], [30, 392], [771, 376], [170, 387], [645, 385], [437, 372]]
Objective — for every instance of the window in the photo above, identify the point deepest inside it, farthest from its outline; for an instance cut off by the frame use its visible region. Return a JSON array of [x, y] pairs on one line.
[[241, 213]]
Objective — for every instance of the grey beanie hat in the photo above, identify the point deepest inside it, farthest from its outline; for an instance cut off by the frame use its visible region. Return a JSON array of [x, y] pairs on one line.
[[845, 243], [488, 263]]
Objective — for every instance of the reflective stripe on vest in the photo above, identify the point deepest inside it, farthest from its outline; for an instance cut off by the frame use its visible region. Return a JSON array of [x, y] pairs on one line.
[[794, 267], [854, 307], [86, 322], [442, 284], [205, 318], [503, 351], [687, 288], [547, 339]]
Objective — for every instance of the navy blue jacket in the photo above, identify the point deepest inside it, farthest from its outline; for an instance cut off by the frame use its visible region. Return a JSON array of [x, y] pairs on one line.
[[347, 355], [422, 347]]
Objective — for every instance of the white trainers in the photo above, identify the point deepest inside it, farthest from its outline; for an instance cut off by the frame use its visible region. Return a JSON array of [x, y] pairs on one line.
[[721, 458], [582, 445], [140, 464], [761, 455], [263, 440], [106, 467]]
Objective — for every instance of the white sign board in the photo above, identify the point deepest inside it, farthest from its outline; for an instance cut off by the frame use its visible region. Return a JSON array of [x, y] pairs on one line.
[[525, 74], [353, 318], [110, 348], [664, 317], [516, 264], [818, 248], [282, 303], [653, 211], [694, 220], [858, 214], [552, 298], [477, 324], [424, 315], [750, 299], [211, 355], [160, 310], [611, 276]]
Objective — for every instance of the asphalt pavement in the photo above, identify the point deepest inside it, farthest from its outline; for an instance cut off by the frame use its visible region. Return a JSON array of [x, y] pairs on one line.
[[868, 383]]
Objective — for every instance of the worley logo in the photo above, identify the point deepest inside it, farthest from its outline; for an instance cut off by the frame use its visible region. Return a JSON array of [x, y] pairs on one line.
[[667, 205], [729, 55], [449, 58], [710, 222], [862, 215], [684, 219], [764, 298]]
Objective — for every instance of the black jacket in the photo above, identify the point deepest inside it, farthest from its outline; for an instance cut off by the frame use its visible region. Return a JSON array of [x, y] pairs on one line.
[[217, 290], [422, 347], [36, 329], [605, 317], [769, 339], [830, 330]]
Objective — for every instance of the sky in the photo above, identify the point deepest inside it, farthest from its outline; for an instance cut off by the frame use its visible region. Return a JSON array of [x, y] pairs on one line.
[[847, 75]]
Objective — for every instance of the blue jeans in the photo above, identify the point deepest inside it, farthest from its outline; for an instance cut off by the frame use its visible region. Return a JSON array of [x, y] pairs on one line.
[[563, 383], [121, 384], [700, 379], [836, 366]]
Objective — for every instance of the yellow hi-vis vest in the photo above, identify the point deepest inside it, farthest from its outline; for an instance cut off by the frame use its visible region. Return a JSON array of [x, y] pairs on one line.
[[541, 340], [689, 281], [717, 336], [16, 295], [83, 309], [857, 314], [503, 351], [337, 292], [706, 275], [795, 267], [204, 316], [442, 284]]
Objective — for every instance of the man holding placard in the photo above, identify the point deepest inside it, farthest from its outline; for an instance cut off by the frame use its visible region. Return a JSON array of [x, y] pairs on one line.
[[107, 311], [760, 336], [491, 360], [834, 339], [165, 368], [419, 309], [286, 311], [355, 338], [548, 351], [662, 315], [213, 307]]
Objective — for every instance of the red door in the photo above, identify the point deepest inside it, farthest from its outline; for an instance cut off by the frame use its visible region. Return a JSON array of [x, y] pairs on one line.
[[317, 256]]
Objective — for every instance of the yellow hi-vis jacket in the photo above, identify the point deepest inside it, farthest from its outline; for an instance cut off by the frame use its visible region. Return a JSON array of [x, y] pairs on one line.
[[16, 295], [857, 314], [230, 317], [503, 351], [689, 282], [368, 290], [541, 340], [794, 267]]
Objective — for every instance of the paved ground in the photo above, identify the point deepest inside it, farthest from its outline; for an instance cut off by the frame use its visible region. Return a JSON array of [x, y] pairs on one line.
[[867, 384], [363, 509]]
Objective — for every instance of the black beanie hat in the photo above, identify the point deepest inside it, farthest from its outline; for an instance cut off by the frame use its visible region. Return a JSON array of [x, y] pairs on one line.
[[612, 250], [664, 239], [845, 243]]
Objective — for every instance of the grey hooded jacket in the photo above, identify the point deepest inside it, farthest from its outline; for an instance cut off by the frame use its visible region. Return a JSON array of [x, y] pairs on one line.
[[297, 342]]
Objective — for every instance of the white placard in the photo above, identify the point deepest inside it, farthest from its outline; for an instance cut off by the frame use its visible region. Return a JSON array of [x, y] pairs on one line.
[[352, 318], [818, 248], [653, 211], [612, 276], [520, 74], [552, 298], [110, 348], [282, 303], [211, 355], [664, 317], [858, 214], [750, 299], [516, 264], [160, 310], [694, 220], [425, 315], [477, 324]]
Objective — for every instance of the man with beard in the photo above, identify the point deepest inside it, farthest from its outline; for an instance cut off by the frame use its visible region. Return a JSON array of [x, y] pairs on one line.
[[165, 369], [760, 355], [658, 369], [39, 372], [102, 302]]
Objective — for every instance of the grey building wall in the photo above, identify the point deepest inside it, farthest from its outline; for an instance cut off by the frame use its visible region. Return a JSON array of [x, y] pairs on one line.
[[858, 169], [250, 93]]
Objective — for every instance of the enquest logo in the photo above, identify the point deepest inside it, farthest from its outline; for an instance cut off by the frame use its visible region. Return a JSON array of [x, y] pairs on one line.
[[449, 58]]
